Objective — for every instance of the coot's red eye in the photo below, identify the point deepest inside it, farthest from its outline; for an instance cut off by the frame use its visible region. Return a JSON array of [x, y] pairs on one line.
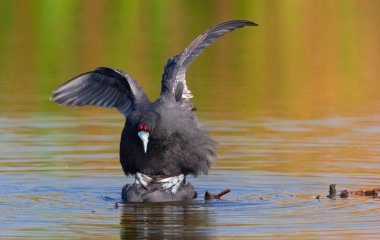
[[143, 127]]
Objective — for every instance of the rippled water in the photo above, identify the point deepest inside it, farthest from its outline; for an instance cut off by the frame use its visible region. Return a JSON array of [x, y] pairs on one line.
[[60, 177]]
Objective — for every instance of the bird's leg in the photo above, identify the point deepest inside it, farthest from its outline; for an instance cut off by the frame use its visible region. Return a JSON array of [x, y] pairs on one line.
[[142, 179], [172, 182]]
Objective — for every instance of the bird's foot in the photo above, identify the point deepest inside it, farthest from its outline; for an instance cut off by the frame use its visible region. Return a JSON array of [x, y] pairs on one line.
[[143, 179], [172, 182]]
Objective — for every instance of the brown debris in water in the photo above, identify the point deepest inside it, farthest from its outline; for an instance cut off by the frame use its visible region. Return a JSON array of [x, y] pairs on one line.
[[209, 195], [346, 193], [332, 191], [366, 192]]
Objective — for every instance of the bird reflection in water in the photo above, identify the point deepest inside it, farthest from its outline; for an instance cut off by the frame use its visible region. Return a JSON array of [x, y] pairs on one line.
[[164, 221]]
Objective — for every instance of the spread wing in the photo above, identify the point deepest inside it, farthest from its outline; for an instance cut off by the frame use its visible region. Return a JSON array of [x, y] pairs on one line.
[[103, 87], [173, 79]]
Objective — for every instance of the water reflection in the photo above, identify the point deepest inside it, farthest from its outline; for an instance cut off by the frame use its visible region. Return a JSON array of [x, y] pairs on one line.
[[274, 166], [163, 221], [294, 64]]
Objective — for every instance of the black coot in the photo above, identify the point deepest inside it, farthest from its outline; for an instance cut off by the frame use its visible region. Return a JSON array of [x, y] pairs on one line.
[[161, 142]]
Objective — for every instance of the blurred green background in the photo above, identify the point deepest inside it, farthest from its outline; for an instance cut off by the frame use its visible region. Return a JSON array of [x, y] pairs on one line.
[[306, 59]]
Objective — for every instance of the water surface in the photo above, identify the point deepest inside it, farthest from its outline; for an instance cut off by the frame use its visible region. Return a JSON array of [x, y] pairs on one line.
[[61, 177]]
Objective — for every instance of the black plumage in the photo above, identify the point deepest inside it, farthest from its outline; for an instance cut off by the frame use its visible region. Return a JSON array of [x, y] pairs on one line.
[[177, 145]]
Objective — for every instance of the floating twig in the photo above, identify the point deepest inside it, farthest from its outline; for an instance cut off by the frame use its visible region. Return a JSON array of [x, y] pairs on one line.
[[209, 195]]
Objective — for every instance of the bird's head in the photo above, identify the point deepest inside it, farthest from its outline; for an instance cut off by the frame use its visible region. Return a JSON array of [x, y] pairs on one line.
[[144, 132], [145, 128]]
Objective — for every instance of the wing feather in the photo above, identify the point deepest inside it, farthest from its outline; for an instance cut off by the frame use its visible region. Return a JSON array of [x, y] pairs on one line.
[[104, 87], [175, 69]]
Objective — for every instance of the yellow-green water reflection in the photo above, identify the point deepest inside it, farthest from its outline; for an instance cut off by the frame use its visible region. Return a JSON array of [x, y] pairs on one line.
[[306, 59]]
